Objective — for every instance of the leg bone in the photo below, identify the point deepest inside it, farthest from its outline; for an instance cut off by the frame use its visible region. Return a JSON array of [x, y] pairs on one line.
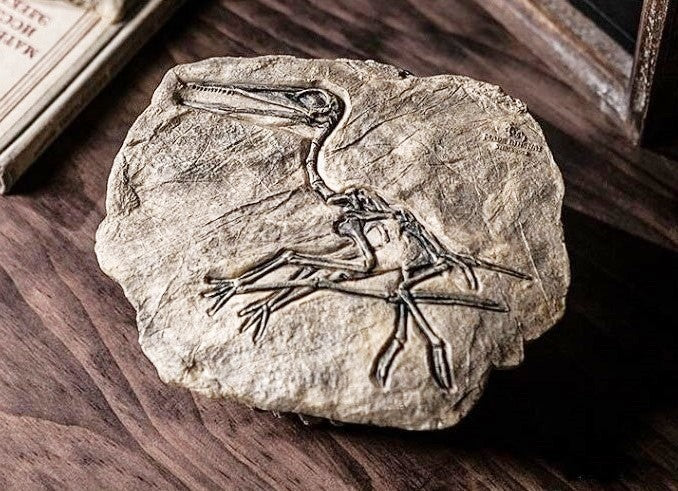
[[393, 346]]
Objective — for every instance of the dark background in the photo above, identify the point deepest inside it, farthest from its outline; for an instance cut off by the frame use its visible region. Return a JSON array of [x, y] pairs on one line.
[[594, 404]]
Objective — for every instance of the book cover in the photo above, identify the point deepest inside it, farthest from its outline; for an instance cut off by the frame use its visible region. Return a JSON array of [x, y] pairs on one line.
[[54, 57]]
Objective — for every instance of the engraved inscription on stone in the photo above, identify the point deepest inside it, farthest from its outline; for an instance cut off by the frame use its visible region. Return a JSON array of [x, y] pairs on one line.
[[335, 238]]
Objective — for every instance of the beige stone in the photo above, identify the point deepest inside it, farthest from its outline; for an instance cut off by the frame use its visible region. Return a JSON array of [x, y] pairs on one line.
[[335, 238]]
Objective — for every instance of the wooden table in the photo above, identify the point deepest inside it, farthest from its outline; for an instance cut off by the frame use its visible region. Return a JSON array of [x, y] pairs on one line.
[[594, 403]]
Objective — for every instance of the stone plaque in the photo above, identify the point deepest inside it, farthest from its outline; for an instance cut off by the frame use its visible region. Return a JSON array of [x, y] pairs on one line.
[[335, 238]]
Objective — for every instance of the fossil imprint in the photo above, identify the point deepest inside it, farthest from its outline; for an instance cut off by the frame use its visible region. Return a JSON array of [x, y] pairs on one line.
[[365, 218]]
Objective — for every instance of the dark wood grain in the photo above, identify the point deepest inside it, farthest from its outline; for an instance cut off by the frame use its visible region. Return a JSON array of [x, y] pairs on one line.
[[639, 92], [594, 404], [572, 46]]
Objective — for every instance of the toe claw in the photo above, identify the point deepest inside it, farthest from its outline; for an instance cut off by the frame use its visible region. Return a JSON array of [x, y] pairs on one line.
[[382, 367], [222, 295], [381, 374], [442, 374], [246, 324], [256, 318], [260, 329], [257, 334], [211, 292], [261, 326], [248, 309]]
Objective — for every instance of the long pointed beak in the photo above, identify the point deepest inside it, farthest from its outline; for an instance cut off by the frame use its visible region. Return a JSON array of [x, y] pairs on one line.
[[242, 99]]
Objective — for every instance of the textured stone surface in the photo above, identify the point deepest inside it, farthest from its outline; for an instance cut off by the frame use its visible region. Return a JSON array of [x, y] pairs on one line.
[[444, 175]]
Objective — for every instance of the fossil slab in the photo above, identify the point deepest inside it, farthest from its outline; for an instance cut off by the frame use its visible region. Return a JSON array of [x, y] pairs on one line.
[[335, 238]]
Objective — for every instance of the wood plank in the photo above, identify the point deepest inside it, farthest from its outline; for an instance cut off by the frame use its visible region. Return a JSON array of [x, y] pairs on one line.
[[572, 46], [594, 404], [620, 20]]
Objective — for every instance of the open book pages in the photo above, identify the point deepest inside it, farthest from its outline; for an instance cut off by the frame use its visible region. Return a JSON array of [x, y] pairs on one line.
[[54, 57]]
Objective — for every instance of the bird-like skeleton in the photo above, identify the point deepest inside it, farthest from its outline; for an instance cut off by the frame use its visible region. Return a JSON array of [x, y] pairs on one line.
[[361, 211]]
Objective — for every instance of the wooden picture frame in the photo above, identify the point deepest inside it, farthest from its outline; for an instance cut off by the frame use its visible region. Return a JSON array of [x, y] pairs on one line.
[[639, 91]]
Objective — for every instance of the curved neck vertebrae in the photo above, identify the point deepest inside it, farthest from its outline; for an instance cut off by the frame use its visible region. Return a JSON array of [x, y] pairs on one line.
[[316, 181], [317, 147]]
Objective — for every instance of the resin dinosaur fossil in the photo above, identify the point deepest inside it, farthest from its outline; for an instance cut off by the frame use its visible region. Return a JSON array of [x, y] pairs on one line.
[[413, 253]]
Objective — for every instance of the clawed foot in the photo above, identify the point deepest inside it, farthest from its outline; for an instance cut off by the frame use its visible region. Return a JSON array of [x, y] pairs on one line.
[[222, 290], [256, 318], [382, 366], [440, 368]]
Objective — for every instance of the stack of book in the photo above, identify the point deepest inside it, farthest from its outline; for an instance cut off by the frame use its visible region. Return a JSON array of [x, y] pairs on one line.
[[54, 58]]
